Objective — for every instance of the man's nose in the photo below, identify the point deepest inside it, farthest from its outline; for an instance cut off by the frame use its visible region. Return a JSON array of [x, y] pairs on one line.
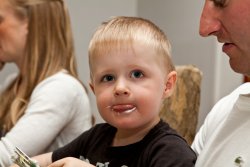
[[121, 88], [210, 21]]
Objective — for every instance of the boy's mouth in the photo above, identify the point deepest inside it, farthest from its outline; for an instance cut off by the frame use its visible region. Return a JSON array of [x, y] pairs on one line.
[[123, 108]]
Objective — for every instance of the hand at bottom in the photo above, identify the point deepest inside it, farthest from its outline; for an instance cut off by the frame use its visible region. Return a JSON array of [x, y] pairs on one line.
[[70, 162]]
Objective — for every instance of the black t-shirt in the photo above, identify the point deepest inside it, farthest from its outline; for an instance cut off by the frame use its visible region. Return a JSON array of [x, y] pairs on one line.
[[161, 147]]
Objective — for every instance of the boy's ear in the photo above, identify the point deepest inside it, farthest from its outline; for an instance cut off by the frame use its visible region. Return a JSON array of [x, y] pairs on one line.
[[170, 84], [92, 87]]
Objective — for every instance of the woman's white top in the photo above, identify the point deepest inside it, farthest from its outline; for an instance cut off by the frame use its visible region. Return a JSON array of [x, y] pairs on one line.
[[58, 112]]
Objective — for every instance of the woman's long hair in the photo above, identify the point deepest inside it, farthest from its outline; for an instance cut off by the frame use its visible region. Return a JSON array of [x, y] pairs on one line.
[[49, 49]]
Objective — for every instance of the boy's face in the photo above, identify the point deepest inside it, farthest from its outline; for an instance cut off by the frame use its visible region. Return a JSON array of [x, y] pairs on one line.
[[129, 85]]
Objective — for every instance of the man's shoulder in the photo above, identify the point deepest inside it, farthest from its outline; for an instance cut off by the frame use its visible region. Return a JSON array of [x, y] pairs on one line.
[[225, 104], [242, 89], [222, 110]]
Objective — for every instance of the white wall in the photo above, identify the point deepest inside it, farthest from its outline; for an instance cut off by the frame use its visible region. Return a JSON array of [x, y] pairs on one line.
[[179, 19]]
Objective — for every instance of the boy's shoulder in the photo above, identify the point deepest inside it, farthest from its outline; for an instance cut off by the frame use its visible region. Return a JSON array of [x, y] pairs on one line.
[[163, 130], [163, 141], [162, 134]]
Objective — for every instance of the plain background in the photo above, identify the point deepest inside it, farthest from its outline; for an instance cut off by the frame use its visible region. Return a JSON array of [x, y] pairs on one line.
[[178, 19]]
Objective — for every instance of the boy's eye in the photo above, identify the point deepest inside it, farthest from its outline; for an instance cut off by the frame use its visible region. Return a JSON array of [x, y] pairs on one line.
[[136, 74], [219, 3], [107, 78]]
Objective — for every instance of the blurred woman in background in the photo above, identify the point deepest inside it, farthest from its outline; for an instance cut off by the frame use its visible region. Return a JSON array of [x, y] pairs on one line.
[[44, 105]]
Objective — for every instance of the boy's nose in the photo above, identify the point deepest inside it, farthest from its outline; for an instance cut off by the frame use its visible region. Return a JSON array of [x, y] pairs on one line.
[[209, 22], [121, 92], [121, 88]]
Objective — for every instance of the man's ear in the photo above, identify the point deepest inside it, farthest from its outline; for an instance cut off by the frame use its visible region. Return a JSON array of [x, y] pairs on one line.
[[92, 87], [170, 84]]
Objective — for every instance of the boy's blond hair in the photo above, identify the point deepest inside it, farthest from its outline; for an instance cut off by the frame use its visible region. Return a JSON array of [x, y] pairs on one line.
[[123, 32]]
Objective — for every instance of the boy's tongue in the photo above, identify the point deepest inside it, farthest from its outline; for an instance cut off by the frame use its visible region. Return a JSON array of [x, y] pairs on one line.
[[122, 107]]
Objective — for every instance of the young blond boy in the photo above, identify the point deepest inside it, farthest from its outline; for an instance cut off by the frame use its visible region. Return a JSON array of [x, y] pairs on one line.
[[131, 74]]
